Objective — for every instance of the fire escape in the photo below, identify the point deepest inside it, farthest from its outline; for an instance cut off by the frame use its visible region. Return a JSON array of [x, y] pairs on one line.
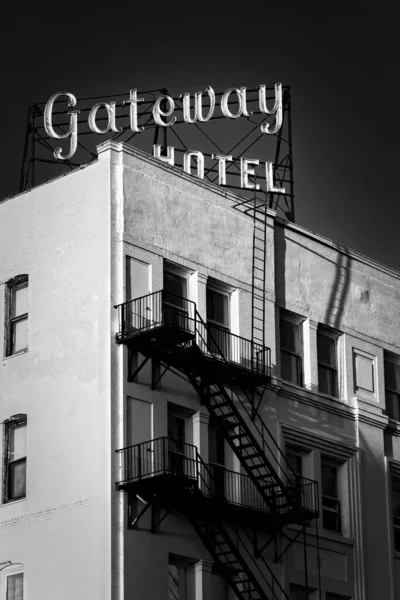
[[230, 374]]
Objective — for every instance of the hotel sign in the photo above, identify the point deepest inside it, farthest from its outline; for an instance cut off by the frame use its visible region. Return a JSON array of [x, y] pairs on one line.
[[163, 115]]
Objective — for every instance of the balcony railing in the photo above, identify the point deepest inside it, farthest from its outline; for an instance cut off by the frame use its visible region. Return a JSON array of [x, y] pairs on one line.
[[167, 456], [163, 309]]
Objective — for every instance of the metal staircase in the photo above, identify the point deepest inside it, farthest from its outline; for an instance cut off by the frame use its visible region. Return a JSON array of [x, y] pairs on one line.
[[224, 371], [171, 473]]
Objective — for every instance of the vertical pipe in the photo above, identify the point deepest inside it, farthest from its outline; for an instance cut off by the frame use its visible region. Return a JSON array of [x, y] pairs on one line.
[[305, 561]]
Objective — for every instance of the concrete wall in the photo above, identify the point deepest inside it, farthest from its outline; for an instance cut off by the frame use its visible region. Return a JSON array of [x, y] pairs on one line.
[[59, 234]]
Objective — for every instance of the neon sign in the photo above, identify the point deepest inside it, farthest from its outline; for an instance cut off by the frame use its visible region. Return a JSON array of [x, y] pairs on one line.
[[163, 116]]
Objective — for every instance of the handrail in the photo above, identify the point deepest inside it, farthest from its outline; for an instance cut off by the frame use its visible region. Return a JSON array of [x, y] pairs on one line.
[[151, 457], [207, 340], [264, 429], [275, 580]]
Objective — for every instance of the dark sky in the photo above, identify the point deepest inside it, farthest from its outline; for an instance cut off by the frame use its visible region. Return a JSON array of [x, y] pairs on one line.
[[341, 60]]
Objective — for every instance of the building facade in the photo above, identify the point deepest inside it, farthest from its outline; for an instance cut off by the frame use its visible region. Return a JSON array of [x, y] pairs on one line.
[[149, 446]]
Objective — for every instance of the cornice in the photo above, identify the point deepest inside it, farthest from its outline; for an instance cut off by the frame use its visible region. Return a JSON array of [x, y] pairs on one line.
[[308, 439], [309, 398]]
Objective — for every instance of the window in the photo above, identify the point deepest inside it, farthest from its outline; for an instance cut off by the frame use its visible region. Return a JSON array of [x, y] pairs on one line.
[[332, 596], [181, 578], [176, 444], [299, 592], [392, 386], [291, 342], [295, 459], [15, 586], [14, 479], [218, 322], [327, 362], [216, 459], [17, 315], [396, 512], [176, 305], [330, 494]]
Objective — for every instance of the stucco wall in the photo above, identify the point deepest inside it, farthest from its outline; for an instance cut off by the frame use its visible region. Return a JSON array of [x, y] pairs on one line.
[[59, 235]]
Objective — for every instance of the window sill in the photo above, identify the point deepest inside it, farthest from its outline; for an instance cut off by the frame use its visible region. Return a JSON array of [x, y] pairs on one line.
[[16, 354], [325, 534], [12, 502]]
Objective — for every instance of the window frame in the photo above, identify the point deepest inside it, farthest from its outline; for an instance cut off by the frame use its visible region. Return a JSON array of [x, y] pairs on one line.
[[296, 320], [11, 573], [20, 281], [394, 359], [328, 333], [332, 462], [223, 292], [10, 425], [395, 488]]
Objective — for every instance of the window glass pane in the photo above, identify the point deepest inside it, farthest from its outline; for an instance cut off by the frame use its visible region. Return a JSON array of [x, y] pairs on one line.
[[19, 335], [326, 350], [296, 462], [19, 300], [176, 427], [290, 336], [396, 500], [392, 405], [17, 442], [397, 539], [290, 368], [392, 375], [218, 307], [173, 583], [329, 480], [15, 587], [17, 479], [175, 284], [298, 593], [216, 446], [330, 520]]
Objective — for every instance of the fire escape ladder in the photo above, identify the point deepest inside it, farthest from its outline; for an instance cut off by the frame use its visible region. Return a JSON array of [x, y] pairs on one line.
[[258, 275]]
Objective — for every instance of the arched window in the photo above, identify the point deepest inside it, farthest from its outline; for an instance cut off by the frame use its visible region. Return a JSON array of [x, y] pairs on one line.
[[12, 581], [16, 315], [14, 471]]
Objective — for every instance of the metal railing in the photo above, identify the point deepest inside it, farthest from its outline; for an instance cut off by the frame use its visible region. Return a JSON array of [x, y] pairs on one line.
[[167, 456], [163, 309]]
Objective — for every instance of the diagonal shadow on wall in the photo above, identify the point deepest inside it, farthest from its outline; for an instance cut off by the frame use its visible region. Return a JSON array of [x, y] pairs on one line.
[[339, 291]]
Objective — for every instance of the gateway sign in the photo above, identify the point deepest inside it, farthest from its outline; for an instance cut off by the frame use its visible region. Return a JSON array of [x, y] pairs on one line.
[[163, 116]]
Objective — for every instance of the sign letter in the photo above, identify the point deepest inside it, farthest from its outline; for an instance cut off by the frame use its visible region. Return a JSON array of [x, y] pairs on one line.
[[277, 109], [269, 175], [245, 171], [110, 108], [133, 101], [200, 162], [73, 125], [170, 158], [158, 113], [242, 110], [222, 167], [198, 106]]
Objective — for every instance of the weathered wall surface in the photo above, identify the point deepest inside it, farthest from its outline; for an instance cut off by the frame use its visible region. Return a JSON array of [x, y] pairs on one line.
[[59, 235], [169, 211], [336, 286]]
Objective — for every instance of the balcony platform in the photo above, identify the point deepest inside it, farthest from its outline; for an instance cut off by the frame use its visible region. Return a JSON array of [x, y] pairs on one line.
[[175, 334], [173, 472]]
